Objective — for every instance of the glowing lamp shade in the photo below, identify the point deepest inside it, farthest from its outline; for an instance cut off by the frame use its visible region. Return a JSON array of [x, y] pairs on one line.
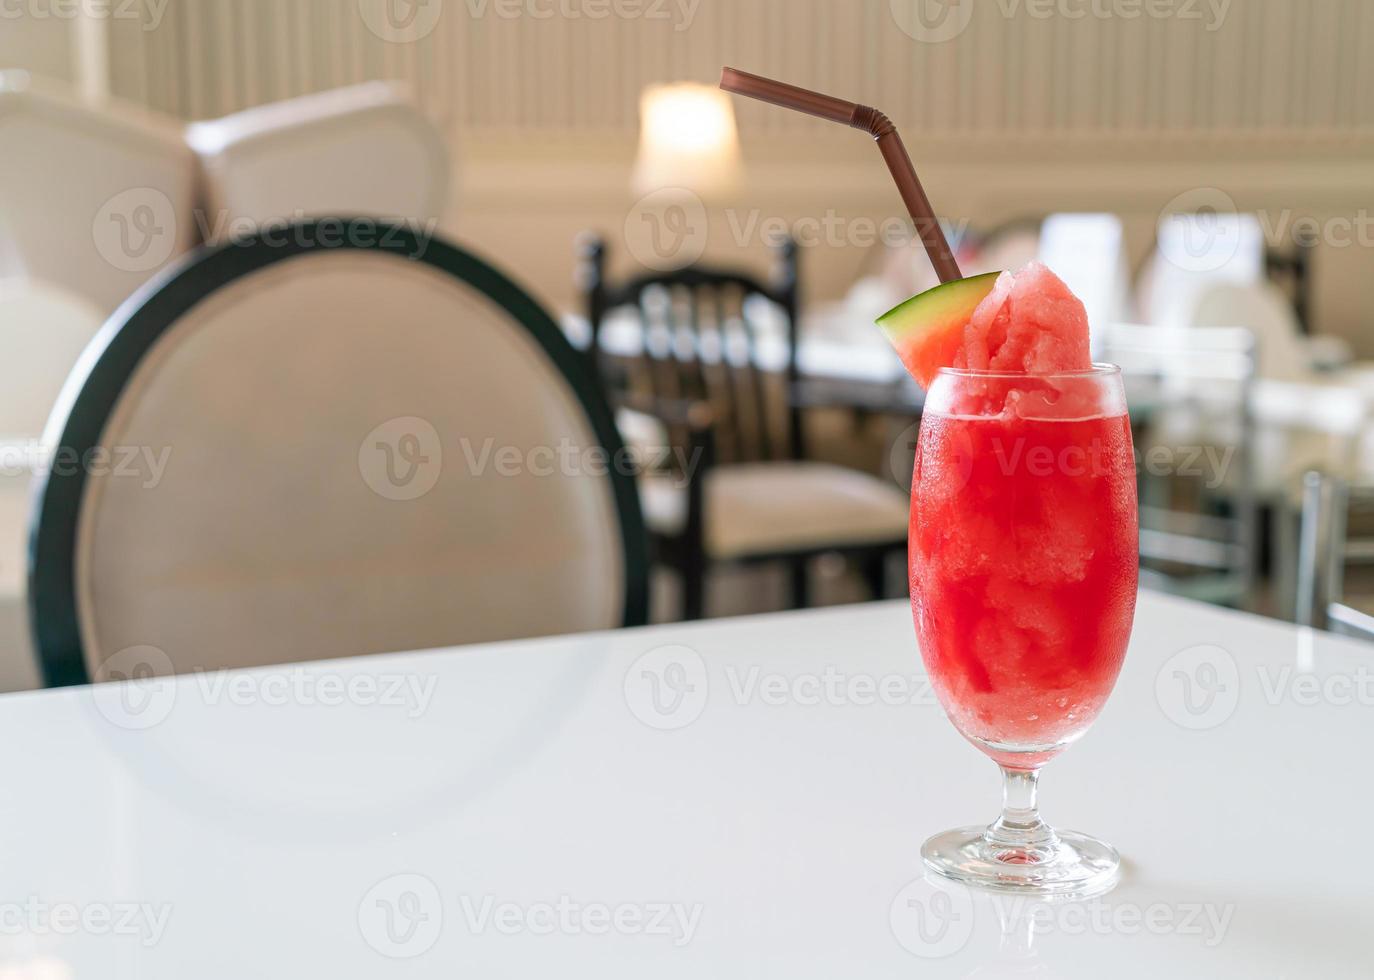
[[687, 139]]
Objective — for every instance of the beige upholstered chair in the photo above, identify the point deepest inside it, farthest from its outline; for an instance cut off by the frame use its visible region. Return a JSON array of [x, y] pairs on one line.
[[364, 150], [95, 198], [329, 450]]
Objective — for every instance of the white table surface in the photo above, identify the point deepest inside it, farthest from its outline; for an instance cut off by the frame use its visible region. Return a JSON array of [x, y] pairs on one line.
[[218, 832]]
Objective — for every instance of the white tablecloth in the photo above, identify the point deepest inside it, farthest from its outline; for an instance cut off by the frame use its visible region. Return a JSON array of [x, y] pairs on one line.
[[733, 798]]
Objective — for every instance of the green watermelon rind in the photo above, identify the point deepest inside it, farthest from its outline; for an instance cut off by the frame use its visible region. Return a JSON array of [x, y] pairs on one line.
[[931, 310]]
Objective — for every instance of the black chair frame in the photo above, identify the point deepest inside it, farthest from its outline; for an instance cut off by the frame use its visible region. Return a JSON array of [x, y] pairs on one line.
[[703, 415]]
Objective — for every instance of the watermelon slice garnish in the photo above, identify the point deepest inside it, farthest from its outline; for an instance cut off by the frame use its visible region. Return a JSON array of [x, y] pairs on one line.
[[928, 329], [1024, 322]]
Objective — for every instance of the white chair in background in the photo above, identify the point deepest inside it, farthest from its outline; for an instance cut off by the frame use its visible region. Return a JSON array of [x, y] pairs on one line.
[[43, 330], [96, 197], [1193, 252], [362, 150], [1088, 252], [1263, 309], [1199, 519], [1304, 419]]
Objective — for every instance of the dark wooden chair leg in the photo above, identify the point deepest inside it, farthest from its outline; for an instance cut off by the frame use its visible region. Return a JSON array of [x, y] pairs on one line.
[[702, 449], [801, 583], [693, 571], [874, 569]]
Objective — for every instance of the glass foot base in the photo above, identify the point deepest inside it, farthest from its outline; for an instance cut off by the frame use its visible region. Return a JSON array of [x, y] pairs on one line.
[[1067, 865]]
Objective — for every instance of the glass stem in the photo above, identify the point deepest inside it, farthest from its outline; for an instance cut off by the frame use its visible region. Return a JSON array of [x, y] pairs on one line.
[[1019, 830]]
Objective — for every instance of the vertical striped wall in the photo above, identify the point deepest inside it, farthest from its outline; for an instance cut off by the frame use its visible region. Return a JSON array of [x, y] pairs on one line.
[[1276, 69]]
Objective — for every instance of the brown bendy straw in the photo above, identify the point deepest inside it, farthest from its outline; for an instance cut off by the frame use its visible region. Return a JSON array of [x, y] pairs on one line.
[[878, 126]]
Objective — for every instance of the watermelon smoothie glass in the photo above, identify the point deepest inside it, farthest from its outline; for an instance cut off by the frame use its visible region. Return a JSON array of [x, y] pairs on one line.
[[1023, 552], [1023, 523], [1023, 558]]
